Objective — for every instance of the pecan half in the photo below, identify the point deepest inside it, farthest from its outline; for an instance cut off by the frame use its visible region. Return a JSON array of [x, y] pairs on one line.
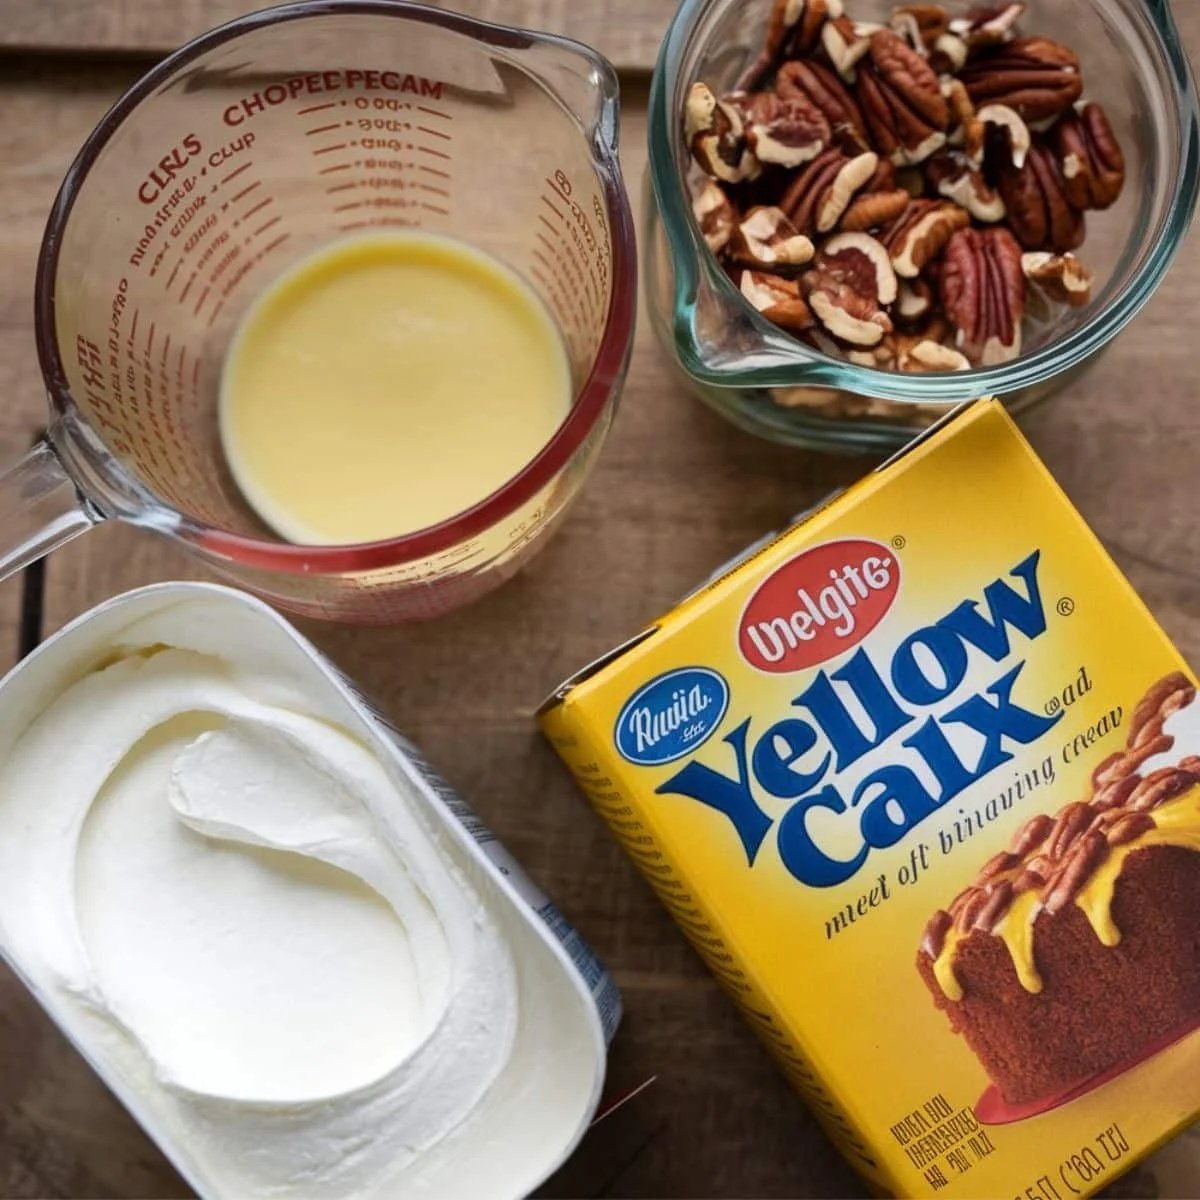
[[1093, 166], [793, 28], [1061, 277], [851, 282], [821, 87], [819, 195], [715, 215], [874, 210], [1035, 76], [787, 132], [934, 937], [999, 900], [1158, 787], [1039, 212], [847, 43], [1064, 885], [983, 293], [1126, 826], [778, 299], [902, 101], [1115, 793], [921, 234], [765, 238], [716, 136], [1069, 823], [1031, 835], [1166, 697], [951, 175], [988, 26]]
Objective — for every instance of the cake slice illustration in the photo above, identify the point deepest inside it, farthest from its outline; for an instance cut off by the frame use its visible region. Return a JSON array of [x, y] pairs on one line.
[[1077, 950]]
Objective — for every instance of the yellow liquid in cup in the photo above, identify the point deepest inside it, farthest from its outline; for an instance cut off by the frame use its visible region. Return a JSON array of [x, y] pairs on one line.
[[386, 383]]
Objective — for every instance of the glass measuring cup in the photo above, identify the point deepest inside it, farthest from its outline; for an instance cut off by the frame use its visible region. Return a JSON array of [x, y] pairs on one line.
[[238, 155]]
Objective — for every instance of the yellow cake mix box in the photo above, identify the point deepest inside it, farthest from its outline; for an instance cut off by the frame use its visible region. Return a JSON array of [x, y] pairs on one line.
[[920, 780]]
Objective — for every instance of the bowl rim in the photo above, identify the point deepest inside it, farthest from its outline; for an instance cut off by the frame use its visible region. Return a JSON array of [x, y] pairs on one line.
[[692, 260]]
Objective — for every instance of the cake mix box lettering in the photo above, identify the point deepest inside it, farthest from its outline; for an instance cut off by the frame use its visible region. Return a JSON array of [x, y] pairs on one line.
[[920, 780]]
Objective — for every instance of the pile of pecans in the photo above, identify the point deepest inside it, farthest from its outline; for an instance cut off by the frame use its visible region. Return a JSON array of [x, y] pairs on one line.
[[1056, 856], [896, 195]]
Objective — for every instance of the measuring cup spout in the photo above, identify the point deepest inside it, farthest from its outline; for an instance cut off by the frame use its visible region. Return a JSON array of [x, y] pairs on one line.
[[40, 508]]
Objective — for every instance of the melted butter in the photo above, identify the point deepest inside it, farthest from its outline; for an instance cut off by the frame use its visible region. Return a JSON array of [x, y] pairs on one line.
[[1177, 823]]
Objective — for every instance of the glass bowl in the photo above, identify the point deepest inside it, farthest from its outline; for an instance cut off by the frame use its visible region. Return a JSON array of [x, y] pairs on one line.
[[767, 382]]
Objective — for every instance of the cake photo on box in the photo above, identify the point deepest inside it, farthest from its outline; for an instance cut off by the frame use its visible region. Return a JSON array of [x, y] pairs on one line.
[[1076, 952]]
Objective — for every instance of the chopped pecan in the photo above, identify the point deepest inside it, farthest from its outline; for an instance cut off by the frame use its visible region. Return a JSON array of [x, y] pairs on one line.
[[1064, 885], [983, 293], [951, 175], [819, 195], [847, 43], [793, 28], [766, 238], [934, 937], [851, 282], [874, 210], [1031, 835], [1039, 212], [716, 136], [787, 132], [1035, 76], [998, 863], [921, 234], [959, 102], [988, 26], [1158, 787], [1093, 166], [715, 215], [1062, 277], [902, 101], [778, 299], [821, 87]]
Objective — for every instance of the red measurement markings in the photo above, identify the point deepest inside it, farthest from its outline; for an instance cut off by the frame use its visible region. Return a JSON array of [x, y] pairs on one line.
[[432, 190], [329, 149], [341, 187], [304, 112], [245, 192], [437, 133], [267, 225], [322, 128], [236, 172], [433, 171], [435, 112], [434, 153], [350, 207], [335, 167]]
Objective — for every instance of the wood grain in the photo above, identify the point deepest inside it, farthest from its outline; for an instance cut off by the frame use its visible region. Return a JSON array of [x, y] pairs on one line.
[[628, 32], [676, 492]]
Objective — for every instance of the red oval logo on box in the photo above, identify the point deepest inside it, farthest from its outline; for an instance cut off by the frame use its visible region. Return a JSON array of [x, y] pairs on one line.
[[820, 603]]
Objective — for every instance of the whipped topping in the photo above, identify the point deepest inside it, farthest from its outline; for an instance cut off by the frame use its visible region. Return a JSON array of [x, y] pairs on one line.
[[246, 911]]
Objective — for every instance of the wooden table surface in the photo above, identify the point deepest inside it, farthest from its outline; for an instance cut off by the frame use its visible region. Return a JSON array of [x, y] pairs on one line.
[[675, 493]]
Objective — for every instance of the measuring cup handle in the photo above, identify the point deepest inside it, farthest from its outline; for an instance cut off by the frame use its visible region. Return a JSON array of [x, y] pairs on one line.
[[40, 508]]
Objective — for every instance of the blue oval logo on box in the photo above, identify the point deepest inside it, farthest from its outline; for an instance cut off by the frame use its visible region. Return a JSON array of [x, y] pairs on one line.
[[671, 715]]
